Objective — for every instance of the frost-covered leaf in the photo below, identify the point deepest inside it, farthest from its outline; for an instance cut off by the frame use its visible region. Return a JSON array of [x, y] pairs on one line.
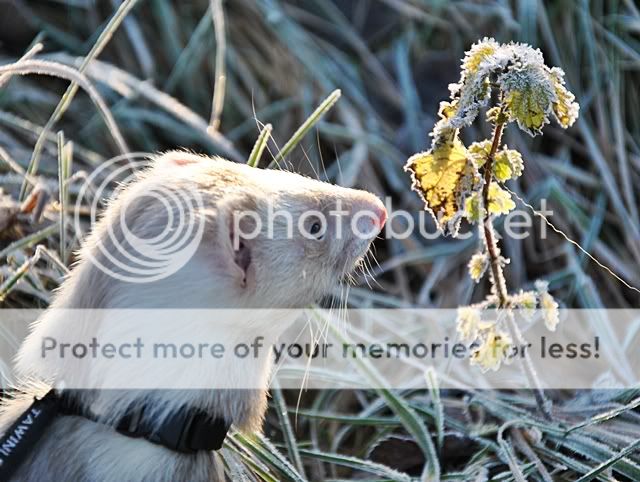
[[447, 110], [468, 323], [532, 91], [478, 53], [471, 93], [550, 311], [529, 106], [479, 152], [565, 109], [473, 210], [507, 164], [493, 351], [442, 176], [500, 201], [549, 306], [496, 115], [477, 266], [525, 302]]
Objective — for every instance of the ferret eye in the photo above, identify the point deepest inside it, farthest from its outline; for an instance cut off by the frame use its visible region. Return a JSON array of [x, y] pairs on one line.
[[315, 229]]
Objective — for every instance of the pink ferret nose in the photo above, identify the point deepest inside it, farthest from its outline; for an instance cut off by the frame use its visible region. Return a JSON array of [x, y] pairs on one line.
[[381, 213], [382, 218]]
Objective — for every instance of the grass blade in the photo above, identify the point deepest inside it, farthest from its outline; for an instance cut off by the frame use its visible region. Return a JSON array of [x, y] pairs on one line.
[[71, 91], [260, 145], [287, 429], [399, 406], [315, 116], [64, 171], [217, 102]]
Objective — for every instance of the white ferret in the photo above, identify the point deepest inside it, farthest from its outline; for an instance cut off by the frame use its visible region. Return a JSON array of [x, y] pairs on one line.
[[268, 270]]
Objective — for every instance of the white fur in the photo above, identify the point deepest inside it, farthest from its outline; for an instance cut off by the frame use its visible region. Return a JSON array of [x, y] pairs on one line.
[[282, 274]]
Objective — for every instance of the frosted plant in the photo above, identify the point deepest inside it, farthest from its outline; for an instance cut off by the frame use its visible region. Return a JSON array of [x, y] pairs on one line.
[[458, 182]]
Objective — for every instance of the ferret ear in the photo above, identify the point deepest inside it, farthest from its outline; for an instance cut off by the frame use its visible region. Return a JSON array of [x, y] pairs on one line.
[[238, 229], [177, 159]]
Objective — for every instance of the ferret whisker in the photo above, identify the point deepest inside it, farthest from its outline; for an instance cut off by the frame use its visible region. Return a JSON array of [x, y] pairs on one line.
[[345, 307], [284, 165], [362, 268], [308, 159], [369, 270], [373, 251], [326, 176], [335, 151]]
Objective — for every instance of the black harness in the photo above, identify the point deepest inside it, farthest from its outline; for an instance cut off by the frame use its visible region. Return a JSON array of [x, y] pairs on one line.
[[187, 430]]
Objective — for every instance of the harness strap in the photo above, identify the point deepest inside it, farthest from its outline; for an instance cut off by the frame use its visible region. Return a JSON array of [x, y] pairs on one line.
[[187, 430], [25, 432]]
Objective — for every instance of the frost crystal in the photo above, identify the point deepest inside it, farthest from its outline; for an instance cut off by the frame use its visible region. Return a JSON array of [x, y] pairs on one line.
[[530, 90]]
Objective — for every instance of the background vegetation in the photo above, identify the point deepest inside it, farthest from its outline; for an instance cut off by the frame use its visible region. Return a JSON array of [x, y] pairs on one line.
[[393, 60]]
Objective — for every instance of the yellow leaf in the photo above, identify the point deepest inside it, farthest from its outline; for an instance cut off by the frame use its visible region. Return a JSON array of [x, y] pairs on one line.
[[565, 109], [467, 323], [477, 53], [550, 311], [438, 176], [447, 109], [479, 152], [493, 351], [507, 164], [500, 201], [496, 115], [477, 266]]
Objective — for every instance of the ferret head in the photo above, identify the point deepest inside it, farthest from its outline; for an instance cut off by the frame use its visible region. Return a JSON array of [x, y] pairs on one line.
[[260, 238]]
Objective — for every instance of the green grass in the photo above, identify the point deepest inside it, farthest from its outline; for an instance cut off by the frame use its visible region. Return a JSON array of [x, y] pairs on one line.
[[157, 67]]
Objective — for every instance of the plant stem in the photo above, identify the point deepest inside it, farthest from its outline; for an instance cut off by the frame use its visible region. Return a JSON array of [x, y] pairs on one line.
[[499, 283], [544, 405]]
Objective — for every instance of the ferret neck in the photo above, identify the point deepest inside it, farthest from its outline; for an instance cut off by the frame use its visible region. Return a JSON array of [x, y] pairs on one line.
[[185, 429]]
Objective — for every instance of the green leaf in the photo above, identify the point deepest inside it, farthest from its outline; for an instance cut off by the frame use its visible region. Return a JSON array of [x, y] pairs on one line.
[[500, 202], [529, 107], [474, 212], [507, 164]]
